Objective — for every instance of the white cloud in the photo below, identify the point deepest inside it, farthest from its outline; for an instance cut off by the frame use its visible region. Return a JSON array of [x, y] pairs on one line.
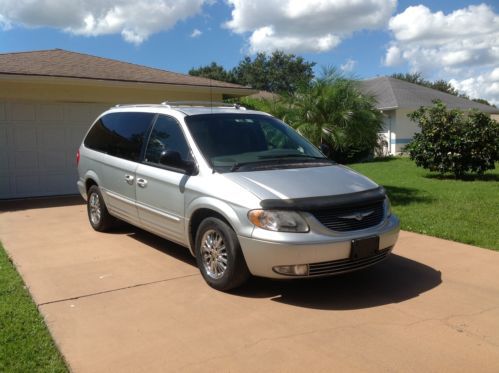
[[196, 33], [135, 20], [349, 65], [462, 46], [305, 26], [480, 86]]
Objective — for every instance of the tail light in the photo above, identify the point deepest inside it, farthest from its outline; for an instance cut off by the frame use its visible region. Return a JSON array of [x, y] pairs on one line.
[[78, 157]]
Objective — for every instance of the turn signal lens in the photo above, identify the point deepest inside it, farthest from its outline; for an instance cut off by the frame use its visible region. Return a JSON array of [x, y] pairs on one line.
[[78, 157], [292, 270], [388, 207], [278, 221]]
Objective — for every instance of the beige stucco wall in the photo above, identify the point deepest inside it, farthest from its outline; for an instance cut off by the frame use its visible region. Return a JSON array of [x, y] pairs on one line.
[[101, 92], [402, 130]]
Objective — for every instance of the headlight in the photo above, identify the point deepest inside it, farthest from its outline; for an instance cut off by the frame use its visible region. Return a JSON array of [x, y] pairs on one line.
[[278, 221], [388, 207]]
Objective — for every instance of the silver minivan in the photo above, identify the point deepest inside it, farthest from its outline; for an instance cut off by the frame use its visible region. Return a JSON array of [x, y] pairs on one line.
[[244, 192]]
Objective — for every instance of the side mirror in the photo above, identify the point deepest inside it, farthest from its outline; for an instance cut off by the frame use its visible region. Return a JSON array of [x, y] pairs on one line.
[[325, 149], [172, 158]]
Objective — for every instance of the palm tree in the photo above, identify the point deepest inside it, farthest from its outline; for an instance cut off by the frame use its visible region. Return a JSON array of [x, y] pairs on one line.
[[331, 110]]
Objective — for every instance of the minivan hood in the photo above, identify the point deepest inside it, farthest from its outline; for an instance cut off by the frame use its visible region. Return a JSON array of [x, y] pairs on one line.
[[302, 182]]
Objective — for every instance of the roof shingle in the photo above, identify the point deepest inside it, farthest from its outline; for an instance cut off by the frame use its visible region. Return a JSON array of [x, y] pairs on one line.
[[394, 93], [61, 63]]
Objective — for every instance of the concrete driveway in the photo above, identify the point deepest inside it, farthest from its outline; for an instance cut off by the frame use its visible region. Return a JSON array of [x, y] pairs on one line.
[[128, 301]]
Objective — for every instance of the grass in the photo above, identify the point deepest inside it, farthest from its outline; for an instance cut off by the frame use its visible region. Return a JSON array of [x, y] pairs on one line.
[[25, 343], [459, 210]]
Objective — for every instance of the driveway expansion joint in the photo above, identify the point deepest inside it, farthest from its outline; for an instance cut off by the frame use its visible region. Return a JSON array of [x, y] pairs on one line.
[[116, 290]]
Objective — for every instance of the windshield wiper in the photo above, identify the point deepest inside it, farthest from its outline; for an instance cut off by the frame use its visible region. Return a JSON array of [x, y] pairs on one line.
[[281, 156], [238, 165], [278, 160]]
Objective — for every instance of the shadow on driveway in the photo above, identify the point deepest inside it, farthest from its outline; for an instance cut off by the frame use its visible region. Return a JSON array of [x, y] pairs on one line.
[[395, 280], [40, 203]]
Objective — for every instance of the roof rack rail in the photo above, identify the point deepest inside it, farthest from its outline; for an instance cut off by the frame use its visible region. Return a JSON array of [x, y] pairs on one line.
[[170, 104], [137, 105], [203, 103]]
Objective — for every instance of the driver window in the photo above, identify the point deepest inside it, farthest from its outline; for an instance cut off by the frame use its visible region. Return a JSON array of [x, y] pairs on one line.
[[166, 135]]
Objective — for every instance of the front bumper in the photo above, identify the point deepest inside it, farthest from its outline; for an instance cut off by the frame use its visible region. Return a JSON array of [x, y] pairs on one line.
[[325, 254]]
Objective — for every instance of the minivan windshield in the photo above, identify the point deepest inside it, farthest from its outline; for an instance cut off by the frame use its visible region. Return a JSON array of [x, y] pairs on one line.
[[243, 142]]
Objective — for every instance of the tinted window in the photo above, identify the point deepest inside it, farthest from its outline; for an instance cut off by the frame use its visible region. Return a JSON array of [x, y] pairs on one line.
[[227, 140], [120, 134], [166, 135]]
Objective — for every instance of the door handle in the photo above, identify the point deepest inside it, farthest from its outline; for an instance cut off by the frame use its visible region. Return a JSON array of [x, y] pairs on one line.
[[142, 182], [129, 179]]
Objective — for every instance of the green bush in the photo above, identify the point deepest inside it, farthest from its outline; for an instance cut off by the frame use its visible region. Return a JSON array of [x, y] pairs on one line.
[[454, 142]]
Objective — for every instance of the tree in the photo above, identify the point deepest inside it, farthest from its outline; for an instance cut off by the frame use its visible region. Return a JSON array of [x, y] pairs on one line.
[[415, 78], [213, 71], [443, 86], [453, 142], [278, 72], [331, 110], [482, 101]]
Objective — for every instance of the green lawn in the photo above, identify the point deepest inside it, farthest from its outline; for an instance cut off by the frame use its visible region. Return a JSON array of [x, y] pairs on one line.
[[459, 210], [25, 343]]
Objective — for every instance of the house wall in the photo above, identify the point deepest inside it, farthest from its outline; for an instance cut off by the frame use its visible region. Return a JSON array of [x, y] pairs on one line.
[[403, 130], [387, 132], [105, 92]]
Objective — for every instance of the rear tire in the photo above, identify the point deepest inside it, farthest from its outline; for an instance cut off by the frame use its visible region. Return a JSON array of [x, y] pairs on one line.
[[219, 256], [98, 216]]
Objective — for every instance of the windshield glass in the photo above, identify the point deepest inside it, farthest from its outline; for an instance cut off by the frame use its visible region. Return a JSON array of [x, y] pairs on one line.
[[232, 142]]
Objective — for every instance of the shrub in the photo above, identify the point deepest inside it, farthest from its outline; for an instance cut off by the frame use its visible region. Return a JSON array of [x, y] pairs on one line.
[[454, 142]]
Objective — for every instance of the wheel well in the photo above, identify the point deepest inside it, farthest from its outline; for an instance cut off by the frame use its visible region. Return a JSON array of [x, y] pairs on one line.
[[197, 217], [89, 183]]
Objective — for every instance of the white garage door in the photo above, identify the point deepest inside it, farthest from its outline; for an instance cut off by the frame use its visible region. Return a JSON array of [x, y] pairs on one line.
[[38, 144]]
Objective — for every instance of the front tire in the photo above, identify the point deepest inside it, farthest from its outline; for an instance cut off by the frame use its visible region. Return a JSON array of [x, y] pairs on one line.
[[98, 216], [219, 256]]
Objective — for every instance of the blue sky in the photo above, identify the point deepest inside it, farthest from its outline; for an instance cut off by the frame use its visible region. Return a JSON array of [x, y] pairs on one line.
[[392, 37]]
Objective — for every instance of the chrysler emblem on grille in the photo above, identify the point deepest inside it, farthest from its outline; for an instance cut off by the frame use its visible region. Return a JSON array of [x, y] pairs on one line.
[[357, 216]]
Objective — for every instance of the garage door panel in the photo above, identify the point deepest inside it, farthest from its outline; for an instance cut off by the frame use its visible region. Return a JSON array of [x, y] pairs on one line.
[[77, 114], [53, 160], [25, 137], [50, 136], [3, 136], [50, 112], [26, 185], [21, 111], [38, 145], [76, 135], [4, 160], [57, 183], [26, 160], [5, 188]]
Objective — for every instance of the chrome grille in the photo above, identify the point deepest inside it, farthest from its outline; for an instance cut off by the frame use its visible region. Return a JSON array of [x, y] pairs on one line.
[[351, 218], [345, 265]]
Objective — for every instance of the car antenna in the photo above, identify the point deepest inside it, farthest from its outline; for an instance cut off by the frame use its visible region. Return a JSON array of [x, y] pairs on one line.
[[211, 96]]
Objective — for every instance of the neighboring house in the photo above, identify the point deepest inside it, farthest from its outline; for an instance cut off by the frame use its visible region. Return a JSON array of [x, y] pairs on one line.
[[48, 100], [397, 98]]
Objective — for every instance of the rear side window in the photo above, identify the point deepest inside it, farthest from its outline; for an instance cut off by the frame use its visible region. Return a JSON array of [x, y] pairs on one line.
[[120, 134]]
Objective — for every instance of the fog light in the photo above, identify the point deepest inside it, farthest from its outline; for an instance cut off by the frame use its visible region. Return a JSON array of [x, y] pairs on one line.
[[292, 270]]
